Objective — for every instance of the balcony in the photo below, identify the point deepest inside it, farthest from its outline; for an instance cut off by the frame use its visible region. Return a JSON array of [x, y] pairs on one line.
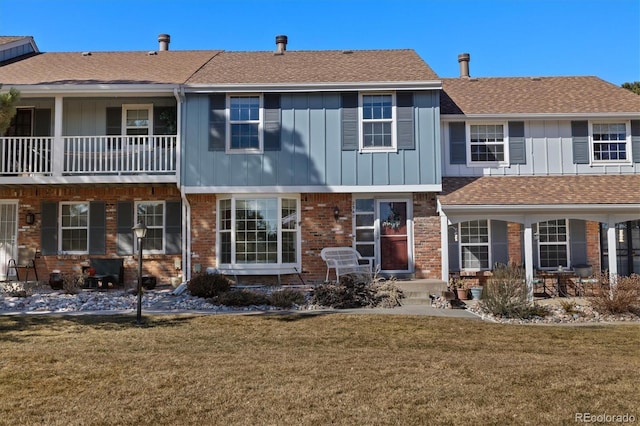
[[92, 159]]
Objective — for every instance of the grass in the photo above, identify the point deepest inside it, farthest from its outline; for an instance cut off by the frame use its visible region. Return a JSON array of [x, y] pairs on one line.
[[304, 369]]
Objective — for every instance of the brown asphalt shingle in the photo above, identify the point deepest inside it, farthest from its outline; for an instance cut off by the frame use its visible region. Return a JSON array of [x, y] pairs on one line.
[[541, 190], [331, 66], [543, 95]]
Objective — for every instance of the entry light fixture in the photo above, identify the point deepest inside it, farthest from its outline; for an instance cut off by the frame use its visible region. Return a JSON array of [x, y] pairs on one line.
[[336, 213], [30, 218]]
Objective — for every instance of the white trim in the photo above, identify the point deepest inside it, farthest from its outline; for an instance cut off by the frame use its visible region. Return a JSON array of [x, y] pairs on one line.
[[373, 189], [313, 87], [89, 180], [163, 227], [566, 243], [134, 107], [505, 144], [627, 142], [109, 90], [409, 235], [393, 121], [540, 116], [229, 122], [62, 228], [487, 244]]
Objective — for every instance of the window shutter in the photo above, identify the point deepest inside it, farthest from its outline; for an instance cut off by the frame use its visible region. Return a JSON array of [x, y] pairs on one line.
[[97, 228], [124, 238], [457, 143], [499, 242], [517, 149], [349, 116], [42, 122], [165, 120], [271, 122], [49, 228], [404, 110], [114, 121], [580, 134], [173, 227], [217, 122], [635, 140]]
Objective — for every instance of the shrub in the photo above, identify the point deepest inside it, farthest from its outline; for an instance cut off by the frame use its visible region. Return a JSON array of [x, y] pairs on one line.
[[240, 298], [505, 294], [286, 298], [357, 291], [72, 283], [16, 289], [623, 297], [208, 285]]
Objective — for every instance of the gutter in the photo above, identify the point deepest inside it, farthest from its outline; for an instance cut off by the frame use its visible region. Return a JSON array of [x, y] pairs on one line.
[[313, 87]]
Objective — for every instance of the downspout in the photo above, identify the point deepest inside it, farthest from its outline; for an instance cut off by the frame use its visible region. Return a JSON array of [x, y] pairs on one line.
[[186, 207]]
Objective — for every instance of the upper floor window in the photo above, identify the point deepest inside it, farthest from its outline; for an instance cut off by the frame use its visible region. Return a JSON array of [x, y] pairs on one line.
[[137, 119], [377, 122], [487, 143], [245, 123], [74, 228], [553, 243], [151, 213], [610, 142], [474, 245]]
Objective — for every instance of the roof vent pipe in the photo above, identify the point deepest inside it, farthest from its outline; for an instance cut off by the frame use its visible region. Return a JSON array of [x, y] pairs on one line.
[[464, 59], [163, 41], [281, 44]]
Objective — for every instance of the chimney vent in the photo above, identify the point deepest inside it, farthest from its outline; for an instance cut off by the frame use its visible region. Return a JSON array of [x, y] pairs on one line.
[[163, 41], [464, 59], [281, 44]]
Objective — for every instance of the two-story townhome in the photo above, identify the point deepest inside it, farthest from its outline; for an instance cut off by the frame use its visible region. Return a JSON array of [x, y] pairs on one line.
[[93, 149], [288, 152], [541, 171]]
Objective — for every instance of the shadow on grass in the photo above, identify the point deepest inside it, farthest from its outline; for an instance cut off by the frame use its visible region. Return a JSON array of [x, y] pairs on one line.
[[291, 316]]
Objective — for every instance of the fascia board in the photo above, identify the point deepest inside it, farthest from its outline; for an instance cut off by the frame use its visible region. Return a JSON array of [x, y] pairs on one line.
[[311, 189], [540, 116], [313, 87], [93, 89]]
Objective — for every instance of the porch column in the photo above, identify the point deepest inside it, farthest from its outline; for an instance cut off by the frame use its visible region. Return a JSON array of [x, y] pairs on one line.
[[612, 244], [528, 259], [57, 160], [444, 246]]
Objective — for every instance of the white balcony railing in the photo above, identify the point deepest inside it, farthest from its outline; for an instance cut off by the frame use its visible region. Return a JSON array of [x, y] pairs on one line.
[[88, 155]]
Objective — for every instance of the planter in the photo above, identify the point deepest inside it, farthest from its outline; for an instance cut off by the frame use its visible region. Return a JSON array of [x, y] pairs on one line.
[[476, 293], [462, 293], [56, 281]]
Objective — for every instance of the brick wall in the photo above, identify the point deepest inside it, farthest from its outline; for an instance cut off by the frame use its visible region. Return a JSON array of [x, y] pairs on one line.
[[514, 242], [426, 236], [593, 246]]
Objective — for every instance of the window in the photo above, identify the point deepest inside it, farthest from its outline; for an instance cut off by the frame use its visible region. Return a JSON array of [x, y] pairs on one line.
[[610, 142], [378, 122], [553, 243], [258, 231], [245, 116], [74, 229], [137, 119], [487, 143], [151, 213], [364, 218], [474, 245]]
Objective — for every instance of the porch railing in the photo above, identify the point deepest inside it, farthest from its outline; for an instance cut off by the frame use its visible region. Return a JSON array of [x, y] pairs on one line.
[[88, 155]]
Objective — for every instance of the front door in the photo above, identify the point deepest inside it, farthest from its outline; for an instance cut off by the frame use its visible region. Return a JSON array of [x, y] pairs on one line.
[[394, 236], [8, 235]]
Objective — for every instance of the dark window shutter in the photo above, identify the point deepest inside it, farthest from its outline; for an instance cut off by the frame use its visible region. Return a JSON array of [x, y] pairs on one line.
[[635, 140], [49, 228], [404, 110], [124, 238], [42, 122], [580, 134], [499, 242], [114, 121], [217, 122], [271, 122], [349, 116], [165, 120], [457, 143], [173, 227], [97, 228], [517, 150]]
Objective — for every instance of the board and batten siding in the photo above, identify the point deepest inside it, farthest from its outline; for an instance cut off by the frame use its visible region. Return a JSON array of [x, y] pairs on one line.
[[311, 151], [548, 150]]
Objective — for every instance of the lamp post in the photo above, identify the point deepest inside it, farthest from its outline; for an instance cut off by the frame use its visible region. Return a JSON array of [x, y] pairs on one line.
[[141, 231]]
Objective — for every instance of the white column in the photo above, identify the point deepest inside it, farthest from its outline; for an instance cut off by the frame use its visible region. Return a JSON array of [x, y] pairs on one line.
[[57, 160], [528, 258], [444, 246], [612, 244]]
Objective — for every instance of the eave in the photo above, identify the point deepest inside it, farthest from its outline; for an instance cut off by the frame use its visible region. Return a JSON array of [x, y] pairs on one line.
[[313, 87]]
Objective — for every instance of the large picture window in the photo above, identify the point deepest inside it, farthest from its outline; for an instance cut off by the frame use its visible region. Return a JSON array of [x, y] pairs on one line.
[[151, 213], [258, 231], [244, 121], [487, 143], [610, 142], [74, 228], [553, 243], [474, 245], [378, 121]]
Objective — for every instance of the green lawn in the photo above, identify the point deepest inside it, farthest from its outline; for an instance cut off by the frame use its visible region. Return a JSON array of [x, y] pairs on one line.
[[308, 369]]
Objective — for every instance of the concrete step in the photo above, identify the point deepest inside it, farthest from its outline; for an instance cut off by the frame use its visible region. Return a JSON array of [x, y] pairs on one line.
[[423, 287]]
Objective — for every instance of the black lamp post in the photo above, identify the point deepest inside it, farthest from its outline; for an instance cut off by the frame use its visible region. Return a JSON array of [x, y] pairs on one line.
[[141, 231]]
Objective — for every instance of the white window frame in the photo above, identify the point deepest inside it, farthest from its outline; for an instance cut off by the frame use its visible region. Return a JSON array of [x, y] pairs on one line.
[[70, 228], [627, 142], [279, 265], [461, 245], [151, 226], [259, 122], [566, 243], [392, 121], [130, 107], [505, 142]]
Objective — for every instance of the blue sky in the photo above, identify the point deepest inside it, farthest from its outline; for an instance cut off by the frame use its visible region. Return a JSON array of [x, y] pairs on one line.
[[504, 37]]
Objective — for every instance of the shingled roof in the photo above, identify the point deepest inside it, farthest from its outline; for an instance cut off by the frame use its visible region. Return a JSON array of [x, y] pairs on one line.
[[540, 190], [330, 66], [539, 95]]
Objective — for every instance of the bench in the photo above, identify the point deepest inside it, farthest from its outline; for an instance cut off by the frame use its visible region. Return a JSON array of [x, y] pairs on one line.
[[345, 260], [108, 271]]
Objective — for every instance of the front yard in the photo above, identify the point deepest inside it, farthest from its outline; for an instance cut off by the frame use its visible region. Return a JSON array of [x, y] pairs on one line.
[[311, 368]]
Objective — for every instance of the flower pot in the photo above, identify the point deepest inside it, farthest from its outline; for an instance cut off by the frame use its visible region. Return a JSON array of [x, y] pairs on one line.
[[462, 293], [476, 293]]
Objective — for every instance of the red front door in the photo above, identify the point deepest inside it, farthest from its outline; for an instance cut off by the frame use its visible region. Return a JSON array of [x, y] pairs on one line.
[[394, 237]]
